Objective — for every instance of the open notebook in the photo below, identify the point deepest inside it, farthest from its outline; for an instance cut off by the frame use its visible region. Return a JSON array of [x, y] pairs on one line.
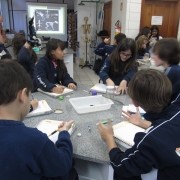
[[43, 108], [48, 126], [125, 132], [101, 88], [66, 91]]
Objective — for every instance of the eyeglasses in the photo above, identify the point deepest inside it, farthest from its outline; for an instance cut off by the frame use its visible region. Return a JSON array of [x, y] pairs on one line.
[[126, 55]]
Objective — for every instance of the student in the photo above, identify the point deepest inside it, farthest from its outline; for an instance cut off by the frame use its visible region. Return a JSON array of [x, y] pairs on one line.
[[24, 53], [120, 66], [32, 31], [27, 153], [166, 54], [103, 49], [4, 53], [154, 38], [51, 70], [154, 154], [144, 31], [141, 47]]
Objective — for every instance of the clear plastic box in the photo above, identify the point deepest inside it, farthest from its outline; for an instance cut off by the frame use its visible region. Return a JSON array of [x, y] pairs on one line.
[[90, 104]]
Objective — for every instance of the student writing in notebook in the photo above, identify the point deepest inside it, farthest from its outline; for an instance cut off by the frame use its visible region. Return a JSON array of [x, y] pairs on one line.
[[166, 54], [51, 70], [120, 66], [155, 153], [27, 153]]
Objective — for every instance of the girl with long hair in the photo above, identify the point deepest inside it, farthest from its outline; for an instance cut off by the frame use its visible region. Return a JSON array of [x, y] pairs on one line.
[[120, 66], [51, 70], [24, 54], [141, 47]]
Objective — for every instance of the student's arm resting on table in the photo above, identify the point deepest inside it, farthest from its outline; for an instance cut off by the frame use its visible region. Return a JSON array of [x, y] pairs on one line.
[[40, 76], [103, 74], [68, 80], [100, 49], [56, 160], [130, 74]]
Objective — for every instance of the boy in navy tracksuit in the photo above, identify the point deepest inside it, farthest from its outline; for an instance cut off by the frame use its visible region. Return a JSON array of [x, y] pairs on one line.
[[156, 152], [51, 70], [103, 49], [27, 153]]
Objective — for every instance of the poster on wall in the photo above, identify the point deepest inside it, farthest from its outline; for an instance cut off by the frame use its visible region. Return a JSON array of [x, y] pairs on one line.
[[156, 20]]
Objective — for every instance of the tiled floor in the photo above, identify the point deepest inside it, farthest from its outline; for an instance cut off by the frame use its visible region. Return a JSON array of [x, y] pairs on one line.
[[85, 75]]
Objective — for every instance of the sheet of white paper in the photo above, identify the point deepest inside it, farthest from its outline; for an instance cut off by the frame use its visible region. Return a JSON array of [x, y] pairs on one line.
[[156, 20]]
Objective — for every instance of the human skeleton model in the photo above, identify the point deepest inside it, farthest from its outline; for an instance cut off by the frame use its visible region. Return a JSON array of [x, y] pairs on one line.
[[50, 24], [47, 14], [86, 30]]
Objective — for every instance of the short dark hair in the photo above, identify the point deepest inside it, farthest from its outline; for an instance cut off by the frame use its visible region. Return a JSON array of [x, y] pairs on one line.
[[13, 78], [124, 45], [145, 31], [168, 50], [151, 90], [119, 37]]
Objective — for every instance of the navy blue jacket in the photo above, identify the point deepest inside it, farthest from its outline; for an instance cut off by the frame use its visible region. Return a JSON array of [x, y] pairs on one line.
[[141, 52], [26, 59], [105, 73], [104, 50], [153, 156], [28, 154], [32, 30], [45, 75], [7, 55], [173, 73]]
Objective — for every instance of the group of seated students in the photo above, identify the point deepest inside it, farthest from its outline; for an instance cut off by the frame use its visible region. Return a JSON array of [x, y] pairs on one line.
[[26, 153]]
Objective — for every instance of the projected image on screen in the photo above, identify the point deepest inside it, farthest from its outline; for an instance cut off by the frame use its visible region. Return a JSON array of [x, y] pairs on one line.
[[47, 20], [50, 19]]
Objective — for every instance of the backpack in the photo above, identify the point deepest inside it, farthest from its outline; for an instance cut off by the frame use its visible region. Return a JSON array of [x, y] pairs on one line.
[[97, 65]]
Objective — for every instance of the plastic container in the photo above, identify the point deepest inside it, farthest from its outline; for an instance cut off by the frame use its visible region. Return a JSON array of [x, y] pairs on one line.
[[90, 104]]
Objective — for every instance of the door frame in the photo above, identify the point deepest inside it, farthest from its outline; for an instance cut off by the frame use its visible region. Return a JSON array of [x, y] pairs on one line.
[[176, 18]]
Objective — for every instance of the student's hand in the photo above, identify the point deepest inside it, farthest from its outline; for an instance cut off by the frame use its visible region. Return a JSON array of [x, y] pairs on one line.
[[71, 86], [139, 63], [109, 82], [106, 132], [122, 88], [136, 119], [58, 89], [65, 126], [107, 40], [34, 103]]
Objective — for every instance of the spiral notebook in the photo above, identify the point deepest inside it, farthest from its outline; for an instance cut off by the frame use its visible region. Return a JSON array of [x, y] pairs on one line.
[[43, 108], [48, 126], [125, 132]]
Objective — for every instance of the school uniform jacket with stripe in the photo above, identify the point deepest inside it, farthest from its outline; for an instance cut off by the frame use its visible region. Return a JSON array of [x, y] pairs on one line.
[[153, 156]]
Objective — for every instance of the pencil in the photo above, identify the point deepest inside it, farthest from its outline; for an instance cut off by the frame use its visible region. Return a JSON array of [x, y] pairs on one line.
[[53, 132], [105, 122]]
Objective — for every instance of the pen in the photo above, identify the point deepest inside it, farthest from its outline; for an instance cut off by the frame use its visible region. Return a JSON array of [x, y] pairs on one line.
[[89, 127], [105, 122], [53, 132]]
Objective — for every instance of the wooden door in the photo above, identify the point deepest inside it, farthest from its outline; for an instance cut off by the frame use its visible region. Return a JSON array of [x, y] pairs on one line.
[[107, 17], [170, 12]]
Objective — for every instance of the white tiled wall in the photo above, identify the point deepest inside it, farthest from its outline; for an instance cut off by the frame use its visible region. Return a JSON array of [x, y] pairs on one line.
[[178, 36], [133, 15]]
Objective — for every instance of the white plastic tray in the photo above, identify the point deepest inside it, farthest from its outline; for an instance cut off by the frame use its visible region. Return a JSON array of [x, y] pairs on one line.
[[90, 104]]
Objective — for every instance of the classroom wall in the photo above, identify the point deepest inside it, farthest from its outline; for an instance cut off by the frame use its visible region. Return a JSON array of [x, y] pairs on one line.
[[19, 12], [129, 17], [178, 36]]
